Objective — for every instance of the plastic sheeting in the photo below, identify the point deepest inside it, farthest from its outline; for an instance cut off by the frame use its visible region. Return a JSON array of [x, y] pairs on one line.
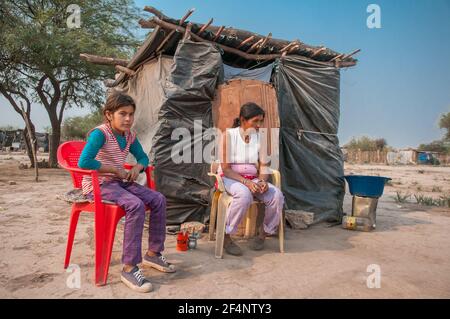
[[311, 163], [402, 157], [187, 95], [176, 93], [262, 74]]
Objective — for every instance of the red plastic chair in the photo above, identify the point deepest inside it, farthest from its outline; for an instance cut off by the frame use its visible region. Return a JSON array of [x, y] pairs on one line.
[[106, 215]]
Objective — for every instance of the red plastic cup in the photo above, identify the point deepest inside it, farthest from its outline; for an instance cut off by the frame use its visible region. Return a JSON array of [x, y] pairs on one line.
[[182, 241]]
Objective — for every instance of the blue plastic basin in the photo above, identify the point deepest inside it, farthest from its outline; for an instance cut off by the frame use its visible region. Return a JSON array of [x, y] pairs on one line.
[[366, 186]]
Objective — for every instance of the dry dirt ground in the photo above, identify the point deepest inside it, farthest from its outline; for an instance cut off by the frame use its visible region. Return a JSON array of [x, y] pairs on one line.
[[410, 245]]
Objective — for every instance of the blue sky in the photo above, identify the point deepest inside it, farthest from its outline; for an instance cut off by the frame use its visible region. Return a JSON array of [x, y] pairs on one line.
[[401, 84]]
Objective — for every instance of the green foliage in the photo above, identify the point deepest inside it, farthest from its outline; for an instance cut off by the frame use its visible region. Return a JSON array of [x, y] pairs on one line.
[[77, 127], [444, 123], [401, 198], [443, 201], [436, 146], [365, 143], [40, 54], [443, 145]]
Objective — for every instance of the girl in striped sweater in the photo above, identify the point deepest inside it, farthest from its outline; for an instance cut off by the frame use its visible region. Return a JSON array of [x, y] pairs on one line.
[[106, 150]]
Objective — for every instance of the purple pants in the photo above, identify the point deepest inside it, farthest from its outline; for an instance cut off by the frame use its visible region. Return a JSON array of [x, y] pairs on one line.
[[133, 198], [273, 199]]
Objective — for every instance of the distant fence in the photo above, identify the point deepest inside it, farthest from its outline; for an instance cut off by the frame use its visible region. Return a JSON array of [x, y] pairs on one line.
[[381, 157], [365, 157]]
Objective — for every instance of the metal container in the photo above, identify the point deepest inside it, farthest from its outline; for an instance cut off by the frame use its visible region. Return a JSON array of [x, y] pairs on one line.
[[365, 207], [363, 215]]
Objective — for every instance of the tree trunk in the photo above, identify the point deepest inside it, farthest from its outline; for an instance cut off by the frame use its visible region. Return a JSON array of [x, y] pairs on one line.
[[27, 140], [33, 143], [54, 140]]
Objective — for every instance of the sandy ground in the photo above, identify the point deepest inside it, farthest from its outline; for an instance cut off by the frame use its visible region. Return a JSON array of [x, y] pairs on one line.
[[410, 245]]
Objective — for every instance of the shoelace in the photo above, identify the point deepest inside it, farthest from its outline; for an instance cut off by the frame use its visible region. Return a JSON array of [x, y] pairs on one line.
[[163, 259], [138, 274]]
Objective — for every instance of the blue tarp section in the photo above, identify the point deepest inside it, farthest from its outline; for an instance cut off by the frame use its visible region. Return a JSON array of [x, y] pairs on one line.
[[262, 74]]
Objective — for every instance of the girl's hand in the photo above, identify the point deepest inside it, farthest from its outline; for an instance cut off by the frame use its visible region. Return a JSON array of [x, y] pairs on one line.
[[121, 173], [134, 172], [252, 186], [263, 186]]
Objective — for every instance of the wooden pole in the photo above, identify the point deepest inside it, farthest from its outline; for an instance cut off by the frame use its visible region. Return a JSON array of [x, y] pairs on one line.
[[317, 52], [255, 45], [336, 57], [245, 42], [125, 70], [218, 33], [260, 47], [187, 34], [263, 43], [350, 54], [103, 60], [32, 141], [203, 28], [287, 47], [172, 32]]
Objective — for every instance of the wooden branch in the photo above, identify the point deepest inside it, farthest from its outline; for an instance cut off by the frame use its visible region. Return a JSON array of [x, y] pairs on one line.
[[203, 28], [125, 70], [145, 24], [336, 57], [263, 43], [350, 54], [187, 15], [287, 47], [32, 141], [187, 34], [277, 44], [317, 52], [260, 47], [250, 38], [168, 25], [218, 33], [156, 12], [169, 36], [255, 45], [295, 47], [103, 60]]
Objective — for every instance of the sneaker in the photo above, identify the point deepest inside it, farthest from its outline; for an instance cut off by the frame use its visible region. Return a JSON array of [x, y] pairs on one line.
[[158, 262], [232, 249], [136, 280], [257, 243]]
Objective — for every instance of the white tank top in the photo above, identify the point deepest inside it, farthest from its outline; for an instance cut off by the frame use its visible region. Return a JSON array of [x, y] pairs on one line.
[[239, 152]]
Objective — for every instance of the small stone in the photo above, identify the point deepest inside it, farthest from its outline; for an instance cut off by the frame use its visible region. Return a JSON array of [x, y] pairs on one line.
[[23, 166]]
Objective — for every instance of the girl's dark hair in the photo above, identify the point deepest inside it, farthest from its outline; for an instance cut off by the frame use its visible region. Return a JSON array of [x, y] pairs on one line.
[[248, 110], [116, 100]]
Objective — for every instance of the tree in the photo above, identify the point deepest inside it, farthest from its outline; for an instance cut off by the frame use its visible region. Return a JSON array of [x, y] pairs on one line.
[[442, 145], [365, 143], [444, 123], [77, 127], [40, 54]]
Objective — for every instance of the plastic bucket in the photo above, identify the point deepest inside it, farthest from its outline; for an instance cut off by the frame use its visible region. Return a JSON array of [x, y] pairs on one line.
[[366, 186]]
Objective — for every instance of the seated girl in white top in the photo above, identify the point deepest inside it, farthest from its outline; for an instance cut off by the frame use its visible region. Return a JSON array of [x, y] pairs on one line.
[[242, 166]]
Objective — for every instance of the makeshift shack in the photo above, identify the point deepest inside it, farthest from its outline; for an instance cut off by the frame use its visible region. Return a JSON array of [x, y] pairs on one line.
[[182, 77]]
